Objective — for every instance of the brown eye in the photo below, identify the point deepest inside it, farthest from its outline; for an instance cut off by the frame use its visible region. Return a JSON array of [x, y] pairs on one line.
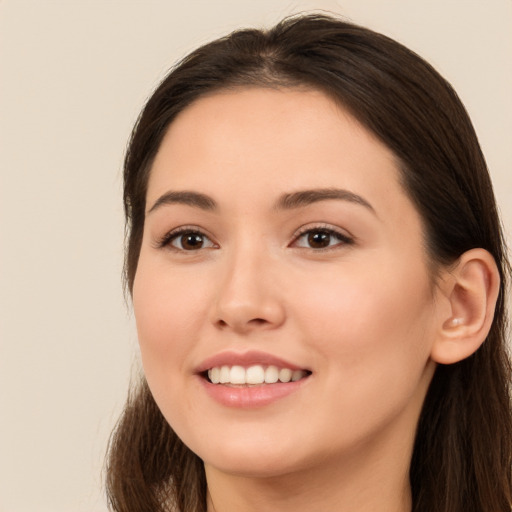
[[319, 239], [322, 239], [190, 241]]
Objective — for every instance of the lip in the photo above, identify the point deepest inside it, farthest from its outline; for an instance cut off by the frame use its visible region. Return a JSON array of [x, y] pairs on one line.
[[248, 397], [250, 358]]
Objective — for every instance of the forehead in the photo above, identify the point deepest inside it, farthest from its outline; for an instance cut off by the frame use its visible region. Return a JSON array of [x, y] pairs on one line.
[[261, 141]]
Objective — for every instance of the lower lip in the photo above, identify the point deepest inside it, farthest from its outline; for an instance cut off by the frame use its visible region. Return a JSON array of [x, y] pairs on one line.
[[251, 396]]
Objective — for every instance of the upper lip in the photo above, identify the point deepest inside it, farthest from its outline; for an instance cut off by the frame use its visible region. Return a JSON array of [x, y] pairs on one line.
[[250, 358]]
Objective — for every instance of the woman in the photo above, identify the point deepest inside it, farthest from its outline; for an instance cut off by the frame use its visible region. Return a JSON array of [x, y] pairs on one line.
[[318, 278]]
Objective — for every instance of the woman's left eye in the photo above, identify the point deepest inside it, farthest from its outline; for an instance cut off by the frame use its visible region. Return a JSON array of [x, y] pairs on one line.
[[321, 238]]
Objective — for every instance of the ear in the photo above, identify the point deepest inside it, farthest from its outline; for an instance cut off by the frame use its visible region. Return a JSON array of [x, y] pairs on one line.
[[471, 289]]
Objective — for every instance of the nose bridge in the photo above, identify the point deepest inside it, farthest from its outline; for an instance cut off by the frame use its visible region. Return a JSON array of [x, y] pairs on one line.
[[247, 295]]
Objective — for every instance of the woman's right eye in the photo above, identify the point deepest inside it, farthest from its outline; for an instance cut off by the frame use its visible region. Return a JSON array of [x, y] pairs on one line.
[[188, 240]]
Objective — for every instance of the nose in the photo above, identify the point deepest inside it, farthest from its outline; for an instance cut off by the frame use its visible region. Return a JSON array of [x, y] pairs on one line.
[[249, 297]]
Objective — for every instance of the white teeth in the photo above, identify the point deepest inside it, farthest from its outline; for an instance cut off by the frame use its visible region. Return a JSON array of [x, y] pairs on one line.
[[214, 375], [253, 375], [224, 375], [285, 375], [237, 375], [297, 375], [271, 375]]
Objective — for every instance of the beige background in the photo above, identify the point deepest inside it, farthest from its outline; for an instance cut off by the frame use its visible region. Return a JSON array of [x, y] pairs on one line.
[[73, 76]]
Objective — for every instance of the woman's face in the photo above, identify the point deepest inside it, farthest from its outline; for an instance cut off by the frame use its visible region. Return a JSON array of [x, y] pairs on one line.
[[278, 245]]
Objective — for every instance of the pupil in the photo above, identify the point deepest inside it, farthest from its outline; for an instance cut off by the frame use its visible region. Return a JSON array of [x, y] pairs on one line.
[[319, 239], [192, 241]]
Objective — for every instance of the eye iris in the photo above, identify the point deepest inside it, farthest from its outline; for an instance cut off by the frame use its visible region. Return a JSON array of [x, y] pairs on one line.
[[319, 239], [191, 241]]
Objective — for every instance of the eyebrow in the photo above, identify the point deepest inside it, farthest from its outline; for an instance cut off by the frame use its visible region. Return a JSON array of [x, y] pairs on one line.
[[189, 198], [306, 197], [287, 201]]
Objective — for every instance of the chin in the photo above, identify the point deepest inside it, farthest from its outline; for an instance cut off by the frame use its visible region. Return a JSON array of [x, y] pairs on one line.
[[245, 459], [247, 466]]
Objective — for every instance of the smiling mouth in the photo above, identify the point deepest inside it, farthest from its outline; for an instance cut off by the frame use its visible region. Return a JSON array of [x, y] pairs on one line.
[[255, 375]]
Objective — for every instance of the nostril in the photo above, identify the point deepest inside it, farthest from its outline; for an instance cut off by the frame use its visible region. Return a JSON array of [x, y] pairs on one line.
[[258, 321], [254, 323]]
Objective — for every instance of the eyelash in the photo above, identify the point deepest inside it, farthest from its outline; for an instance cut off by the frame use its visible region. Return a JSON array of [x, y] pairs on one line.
[[342, 238], [168, 238]]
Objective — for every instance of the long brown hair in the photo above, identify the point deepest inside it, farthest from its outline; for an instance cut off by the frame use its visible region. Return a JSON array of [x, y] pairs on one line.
[[462, 455]]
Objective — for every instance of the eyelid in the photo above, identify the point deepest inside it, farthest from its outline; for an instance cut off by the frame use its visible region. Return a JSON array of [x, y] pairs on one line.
[[165, 241], [344, 237]]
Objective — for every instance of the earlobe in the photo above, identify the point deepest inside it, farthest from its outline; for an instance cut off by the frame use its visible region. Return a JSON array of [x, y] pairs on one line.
[[471, 289]]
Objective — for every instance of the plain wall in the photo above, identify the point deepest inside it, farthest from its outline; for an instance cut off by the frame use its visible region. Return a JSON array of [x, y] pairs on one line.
[[73, 76]]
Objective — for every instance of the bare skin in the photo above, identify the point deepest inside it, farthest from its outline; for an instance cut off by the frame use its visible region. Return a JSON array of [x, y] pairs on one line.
[[277, 229]]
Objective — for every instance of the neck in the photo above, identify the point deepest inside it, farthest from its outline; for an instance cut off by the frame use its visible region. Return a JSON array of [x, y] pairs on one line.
[[359, 484]]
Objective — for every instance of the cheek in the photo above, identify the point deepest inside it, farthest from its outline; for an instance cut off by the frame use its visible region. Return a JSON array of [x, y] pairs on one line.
[[168, 307], [364, 319], [167, 310], [371, 337]]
